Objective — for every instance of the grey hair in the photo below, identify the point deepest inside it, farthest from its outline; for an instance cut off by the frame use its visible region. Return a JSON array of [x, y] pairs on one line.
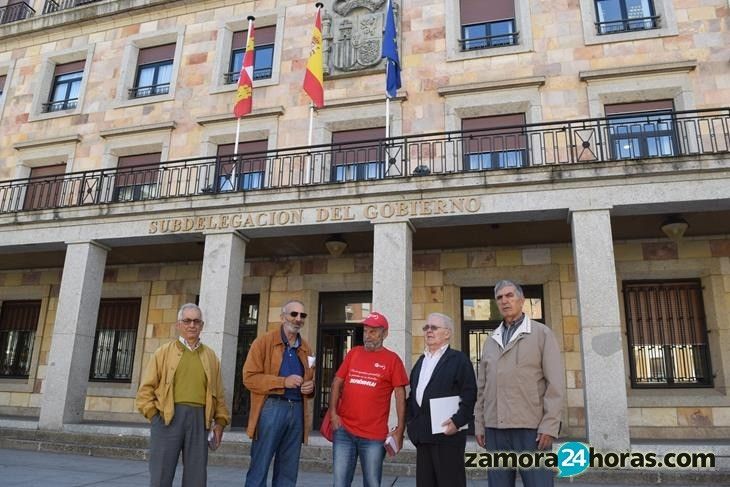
[[506, 283], [283, 308], [187, 306], [446, 320]]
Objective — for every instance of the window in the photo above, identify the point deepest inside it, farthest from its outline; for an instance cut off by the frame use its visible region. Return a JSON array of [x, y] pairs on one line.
[[667, 333], [66, 85], [2, 84], [114, 343], [154, 71], [244, 171], [263, 54], [616, 16], [358, 154], [18, 324], [480, 316], [640, 130], [45, 187], [488, 147], [137, 177], [487, 25]]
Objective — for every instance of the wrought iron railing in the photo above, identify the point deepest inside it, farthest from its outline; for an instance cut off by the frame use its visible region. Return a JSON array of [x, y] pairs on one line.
[[628, 25], [640, 137], [57, 106], [497, 40], [54, 6], [261, 73], [152, 90], [15, 12]]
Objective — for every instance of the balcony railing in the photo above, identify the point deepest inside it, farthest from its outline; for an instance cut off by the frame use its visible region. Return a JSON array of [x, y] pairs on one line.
[[639, 138], [57, 106], [54, 6], [152, 90], [15, 12], [628, 25]]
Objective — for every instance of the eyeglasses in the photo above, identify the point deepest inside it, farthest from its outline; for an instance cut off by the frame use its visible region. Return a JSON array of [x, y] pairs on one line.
[[294, 314], [188, 321], [432, 327]]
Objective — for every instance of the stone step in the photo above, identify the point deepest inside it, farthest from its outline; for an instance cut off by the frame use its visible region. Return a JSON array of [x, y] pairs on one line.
[[314, 458]]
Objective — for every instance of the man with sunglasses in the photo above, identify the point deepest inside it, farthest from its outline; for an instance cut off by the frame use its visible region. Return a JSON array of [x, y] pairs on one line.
[[181, 393], [278, 374], [441, 372]]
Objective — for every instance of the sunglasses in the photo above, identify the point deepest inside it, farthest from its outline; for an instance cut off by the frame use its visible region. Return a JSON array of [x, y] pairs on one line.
[[432, 327], [294, 314], [188, 321]]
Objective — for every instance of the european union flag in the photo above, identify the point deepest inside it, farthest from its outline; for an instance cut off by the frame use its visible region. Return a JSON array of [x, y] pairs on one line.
[[390, 53]]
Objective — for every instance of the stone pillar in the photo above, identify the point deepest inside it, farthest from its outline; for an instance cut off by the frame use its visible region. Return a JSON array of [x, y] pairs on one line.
[[392, 283], [221, 285], [602, 343], [69, 360]]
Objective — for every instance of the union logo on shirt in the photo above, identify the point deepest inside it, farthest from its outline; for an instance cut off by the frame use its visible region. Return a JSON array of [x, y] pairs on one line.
[[378, 365]]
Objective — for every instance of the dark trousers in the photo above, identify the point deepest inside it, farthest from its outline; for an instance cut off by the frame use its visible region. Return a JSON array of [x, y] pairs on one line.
[[515, 440], [186, 432], [440, 465]]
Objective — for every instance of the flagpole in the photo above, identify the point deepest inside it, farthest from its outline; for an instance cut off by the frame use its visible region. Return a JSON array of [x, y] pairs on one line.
[[251, 18], [308, 160]]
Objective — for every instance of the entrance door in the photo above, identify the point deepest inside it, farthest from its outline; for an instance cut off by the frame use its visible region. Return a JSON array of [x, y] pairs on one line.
[[338, 332], [246, 335]]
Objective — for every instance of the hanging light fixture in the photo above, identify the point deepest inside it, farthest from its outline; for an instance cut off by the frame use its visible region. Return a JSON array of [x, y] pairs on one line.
[[336, 245], [674, 227]]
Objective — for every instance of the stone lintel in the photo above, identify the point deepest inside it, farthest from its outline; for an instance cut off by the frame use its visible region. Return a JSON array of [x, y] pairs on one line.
[[137, 129], [637, 70], [362, 100], [32, 144], [229, 117], [492, 85]]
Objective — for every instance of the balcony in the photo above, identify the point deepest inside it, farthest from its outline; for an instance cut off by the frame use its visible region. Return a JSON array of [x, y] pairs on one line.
[[638, 138], [54, 6], [15, 12]]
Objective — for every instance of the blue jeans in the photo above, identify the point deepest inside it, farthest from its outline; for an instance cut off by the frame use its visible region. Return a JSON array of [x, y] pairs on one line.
[[515, 440], [345, 451], [279, 434]]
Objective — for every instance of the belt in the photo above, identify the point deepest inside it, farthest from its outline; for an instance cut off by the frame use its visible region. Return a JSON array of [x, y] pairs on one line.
[[282, 398]]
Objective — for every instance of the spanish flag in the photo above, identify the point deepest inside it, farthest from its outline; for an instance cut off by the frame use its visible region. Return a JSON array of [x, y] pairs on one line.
[[313, 77], [244, 95]]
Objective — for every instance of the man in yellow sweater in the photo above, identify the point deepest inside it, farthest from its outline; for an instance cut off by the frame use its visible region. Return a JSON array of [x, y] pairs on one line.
[[181, 393]]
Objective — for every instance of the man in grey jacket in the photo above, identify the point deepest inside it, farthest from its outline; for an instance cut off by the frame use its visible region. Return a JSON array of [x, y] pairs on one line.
[[520, 389]]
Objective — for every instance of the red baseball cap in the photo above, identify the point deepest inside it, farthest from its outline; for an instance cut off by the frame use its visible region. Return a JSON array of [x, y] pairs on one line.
[[376, 320]]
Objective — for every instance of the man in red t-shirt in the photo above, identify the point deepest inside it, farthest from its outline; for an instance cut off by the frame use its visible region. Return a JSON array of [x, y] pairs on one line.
[[363, 386]]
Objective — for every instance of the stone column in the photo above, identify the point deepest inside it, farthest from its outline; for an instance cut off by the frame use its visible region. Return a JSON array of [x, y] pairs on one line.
[[221, 285], [602, 343], [392, 283], [69, 360]]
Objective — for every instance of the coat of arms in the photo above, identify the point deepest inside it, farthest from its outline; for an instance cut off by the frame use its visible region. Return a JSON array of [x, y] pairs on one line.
[[353, 35]]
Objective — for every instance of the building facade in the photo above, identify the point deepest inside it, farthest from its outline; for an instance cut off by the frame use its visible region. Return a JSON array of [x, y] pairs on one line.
[[579, 148]]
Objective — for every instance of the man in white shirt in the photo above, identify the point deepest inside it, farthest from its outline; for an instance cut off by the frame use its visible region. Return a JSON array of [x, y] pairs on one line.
[[440, 372]]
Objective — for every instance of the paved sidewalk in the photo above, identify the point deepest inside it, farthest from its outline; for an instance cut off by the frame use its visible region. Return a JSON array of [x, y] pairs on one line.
[[41, 469]]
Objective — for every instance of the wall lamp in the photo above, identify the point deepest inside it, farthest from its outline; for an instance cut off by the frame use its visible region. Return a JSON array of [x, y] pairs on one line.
[[336, 245], [674, 227]]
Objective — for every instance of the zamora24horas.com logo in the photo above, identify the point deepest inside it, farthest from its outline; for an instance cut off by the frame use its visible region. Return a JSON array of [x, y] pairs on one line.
[[574, 458]]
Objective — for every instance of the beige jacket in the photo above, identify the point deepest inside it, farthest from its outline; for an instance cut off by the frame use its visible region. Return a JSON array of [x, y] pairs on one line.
[[155, 394], [261, 377], [522, 385]]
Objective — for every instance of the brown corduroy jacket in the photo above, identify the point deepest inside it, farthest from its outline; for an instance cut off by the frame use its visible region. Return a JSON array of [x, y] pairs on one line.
[[261, 376]]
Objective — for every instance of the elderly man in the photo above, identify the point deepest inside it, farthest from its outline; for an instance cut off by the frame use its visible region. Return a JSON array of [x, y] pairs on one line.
[[520, 388], [360, 404], [440, 372], [182, 394], [278, 374]]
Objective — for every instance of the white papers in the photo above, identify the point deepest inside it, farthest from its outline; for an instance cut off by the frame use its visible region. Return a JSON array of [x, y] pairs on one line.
[[310, 360], [391, 446], [442, 408]]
